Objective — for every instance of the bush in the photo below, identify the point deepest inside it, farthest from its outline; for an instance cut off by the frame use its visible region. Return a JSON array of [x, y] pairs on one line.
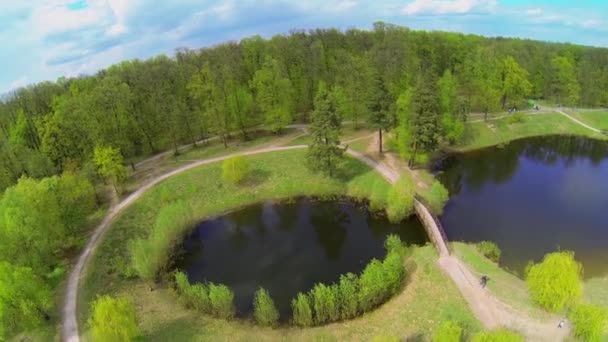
[[302, 313], [325, 304], [590, 321], [386, 339], [264, 311], [500, 335], [400, 200], [393, 244], [448, 332], [394, 272], [436, 197], [490, 250], [556, 281], [517, 117], [348, 289], [235, 169], [221, 299], [372, 286], [113, 320], [194, 296]]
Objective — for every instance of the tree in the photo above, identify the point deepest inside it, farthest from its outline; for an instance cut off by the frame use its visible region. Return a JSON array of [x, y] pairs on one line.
[[400, 200], [25, 300], [566, 88], [76, 197], [380, 110], [590, 321], [452, 116], [302, 312], [264, 310], [372, 286], [235, 169], [324, 152], [448, 331], [556, 281], [109, 163], [349, 302], [113, 319], [222, 301], [273, 93], [325, 304], [436, 197], [515, 84], [425, 127]]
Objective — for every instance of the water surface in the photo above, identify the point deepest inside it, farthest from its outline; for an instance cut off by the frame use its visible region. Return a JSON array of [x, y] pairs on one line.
[[287, 248], [532, 197]]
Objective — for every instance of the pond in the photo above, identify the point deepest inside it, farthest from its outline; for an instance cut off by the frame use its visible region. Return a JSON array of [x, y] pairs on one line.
[[532, 197], [288, 247]]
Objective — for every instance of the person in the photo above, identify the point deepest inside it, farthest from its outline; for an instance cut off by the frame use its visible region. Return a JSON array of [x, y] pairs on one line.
[[561, 324], [484, 281]]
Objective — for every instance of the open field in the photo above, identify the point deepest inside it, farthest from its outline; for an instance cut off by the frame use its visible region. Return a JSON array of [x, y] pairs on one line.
[[597, 119]]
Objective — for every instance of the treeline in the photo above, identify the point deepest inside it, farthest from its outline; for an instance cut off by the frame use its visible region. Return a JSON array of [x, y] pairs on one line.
[[146, 106]]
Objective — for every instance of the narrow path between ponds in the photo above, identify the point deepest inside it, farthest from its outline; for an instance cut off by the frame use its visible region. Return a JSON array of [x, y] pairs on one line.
[[488, 309]]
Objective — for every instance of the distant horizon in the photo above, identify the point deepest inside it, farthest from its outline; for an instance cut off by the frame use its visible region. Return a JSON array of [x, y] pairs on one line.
[[45, 40]]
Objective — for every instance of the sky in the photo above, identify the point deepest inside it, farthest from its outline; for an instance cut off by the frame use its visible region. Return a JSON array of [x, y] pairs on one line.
[[44, 40]]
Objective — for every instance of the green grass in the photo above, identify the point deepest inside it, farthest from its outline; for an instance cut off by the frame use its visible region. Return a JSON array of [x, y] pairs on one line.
[[495, 132], [595, 119], [428, 299]]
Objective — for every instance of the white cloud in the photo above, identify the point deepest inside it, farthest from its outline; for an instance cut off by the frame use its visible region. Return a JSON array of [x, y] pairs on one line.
[[591, 23], [341, 5], [422, 7], [534, 11]]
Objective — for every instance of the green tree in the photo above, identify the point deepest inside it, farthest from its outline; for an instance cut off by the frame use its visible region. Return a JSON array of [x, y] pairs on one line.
[[302, 312], [380, 115], [490, 250], [324, 152], [372, 286], [325, 304], [264, 310], [436, 197], [500, 335], [515, 84], [273, 93], [556, 281], [590, 321], [222, 301], [235, 169], [452, 117], [110, 166], [194, 296], [25, 300], [448, 331], [566, 87], [113, 319], [77, 200], [400, 200], [424, 123], [349, 302]]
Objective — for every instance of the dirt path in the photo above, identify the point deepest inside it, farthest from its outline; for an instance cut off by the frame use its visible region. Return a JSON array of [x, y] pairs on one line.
[[578, 121]]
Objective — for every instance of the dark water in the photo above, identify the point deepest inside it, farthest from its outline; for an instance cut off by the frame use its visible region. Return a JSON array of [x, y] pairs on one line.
[[287, 248], [532, 197]]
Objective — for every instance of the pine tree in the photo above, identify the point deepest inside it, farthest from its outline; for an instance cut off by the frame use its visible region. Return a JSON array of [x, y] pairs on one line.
[[425, 126]]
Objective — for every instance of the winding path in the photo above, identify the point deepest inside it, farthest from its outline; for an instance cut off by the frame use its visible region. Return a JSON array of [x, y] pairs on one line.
[[488, 309]]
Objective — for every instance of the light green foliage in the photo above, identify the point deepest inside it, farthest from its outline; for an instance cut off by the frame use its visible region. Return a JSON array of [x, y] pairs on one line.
[[222, 301], [372, 286], [324, 153], [436, 197], [515, 84], [490, 250], [24, 300], [590, 321], [113, 320], [325, 303], [302, 312], [500, 335], [452, 120], [235, 169], [400, 200], [273, 93], [448, 331], [403, 133], [151, 255], [386, 339], [517, 117], [194, 296], [77, 200], [556, 281], [348, 289], [264, 310], [565, 84], [109, 163]]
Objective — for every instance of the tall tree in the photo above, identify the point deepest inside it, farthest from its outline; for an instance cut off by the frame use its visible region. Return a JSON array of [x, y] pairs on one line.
[[324, 152], [425, 125], [273, 94], [515, 84], [110, 166], [566, 88], [452, 115], [380, 116]]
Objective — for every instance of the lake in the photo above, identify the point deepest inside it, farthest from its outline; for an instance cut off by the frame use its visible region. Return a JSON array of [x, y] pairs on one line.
[[288, 247], [532, 197]]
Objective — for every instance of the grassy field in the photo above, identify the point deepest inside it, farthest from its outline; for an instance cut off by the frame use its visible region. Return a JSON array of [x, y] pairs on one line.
[[495, 132], [597, 119]]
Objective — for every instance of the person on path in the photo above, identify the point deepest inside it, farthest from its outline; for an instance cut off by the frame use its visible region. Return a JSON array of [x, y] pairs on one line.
[[561, 324], [484, 281]]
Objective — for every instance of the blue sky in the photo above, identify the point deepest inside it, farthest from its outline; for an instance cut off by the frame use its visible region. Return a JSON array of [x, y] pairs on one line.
[[43, 40]]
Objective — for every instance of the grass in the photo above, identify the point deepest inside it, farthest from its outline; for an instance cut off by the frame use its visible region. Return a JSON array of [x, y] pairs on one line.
[[495, 132], [597, 119]]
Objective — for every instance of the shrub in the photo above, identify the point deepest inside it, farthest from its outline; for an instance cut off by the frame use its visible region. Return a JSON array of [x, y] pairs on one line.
[[490, 250], [325, 304], [394, 272], [386, 339], [500, 335], [517, 117], [302, 313], [372, 286], [221, 299], [448, 332], [113, 320], [400, 200], [393, 243], [235, 169], [590, 321], [556, 281], [264, 311], [194, 296], [348, 288], [436, 197]]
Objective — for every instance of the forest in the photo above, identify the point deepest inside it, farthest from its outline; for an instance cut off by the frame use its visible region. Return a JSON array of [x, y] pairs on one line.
[[59, 139]]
